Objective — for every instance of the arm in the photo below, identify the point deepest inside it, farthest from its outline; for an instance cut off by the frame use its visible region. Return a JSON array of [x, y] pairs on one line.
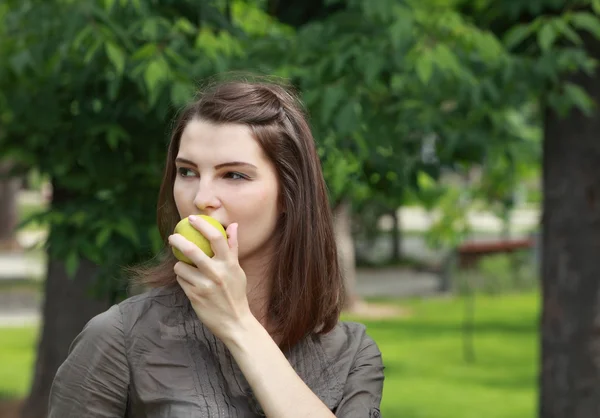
[[93, 381], [216, 288], [277, 387]]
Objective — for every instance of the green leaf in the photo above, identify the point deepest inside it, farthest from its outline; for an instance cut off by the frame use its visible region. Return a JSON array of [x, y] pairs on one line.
[[127, 229], [516, 35], [116, 56], [346, 119], [20, 60], [72, 264], [579, 97], [155, 72], [185, 26], [401, 30], [332, 96], [92, 51], [103, 236], [145, 51], [82, 36], [398, 82], [114, 134], [108, 5], [374, 66], [588, 22], [176, 58], [596, 6], [563, 27], [446, 59], [424, 67], [180, 93], [78, 218], [547, 36]]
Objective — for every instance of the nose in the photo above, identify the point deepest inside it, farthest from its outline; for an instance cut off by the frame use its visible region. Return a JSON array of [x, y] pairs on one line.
[[206, 199]]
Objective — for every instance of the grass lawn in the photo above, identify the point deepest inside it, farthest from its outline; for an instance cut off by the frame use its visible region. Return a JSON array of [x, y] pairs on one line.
[[17, 357], [426, 374]]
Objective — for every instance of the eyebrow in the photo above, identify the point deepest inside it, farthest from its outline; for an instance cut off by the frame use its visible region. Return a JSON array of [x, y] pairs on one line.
[[227, 164]]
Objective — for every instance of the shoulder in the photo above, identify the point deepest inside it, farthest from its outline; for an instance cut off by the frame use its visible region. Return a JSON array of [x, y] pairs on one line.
[[348, 346], [349, 339], [353, 361], [153, 303], [164, 296], [119, 319], [103, 328]]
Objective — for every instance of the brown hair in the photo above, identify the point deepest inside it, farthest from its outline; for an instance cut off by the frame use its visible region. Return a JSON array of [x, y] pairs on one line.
[[307, 286]]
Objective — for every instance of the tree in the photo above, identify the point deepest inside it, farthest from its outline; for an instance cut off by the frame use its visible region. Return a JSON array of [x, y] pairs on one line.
[[107, 77], [570, 367], [390, 77], [558, 46], [9, 188]]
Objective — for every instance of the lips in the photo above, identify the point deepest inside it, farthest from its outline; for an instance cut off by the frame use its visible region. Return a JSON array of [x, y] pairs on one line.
[[217, 219]]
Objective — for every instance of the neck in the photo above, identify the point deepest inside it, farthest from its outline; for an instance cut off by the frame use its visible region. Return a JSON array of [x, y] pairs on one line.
[[258, 285]]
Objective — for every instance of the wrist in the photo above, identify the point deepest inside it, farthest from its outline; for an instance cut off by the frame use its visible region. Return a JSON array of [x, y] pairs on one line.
[[244, 330]]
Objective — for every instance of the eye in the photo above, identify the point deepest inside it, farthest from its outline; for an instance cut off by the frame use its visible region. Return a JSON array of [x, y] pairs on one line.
[[185, 172], [235, 176]]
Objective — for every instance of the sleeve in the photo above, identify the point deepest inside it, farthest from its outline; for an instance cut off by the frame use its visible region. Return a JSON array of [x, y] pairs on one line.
[[364, 386], [93, 381]]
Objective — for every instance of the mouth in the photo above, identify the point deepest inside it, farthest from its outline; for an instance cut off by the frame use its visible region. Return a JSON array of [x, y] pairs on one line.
[[223, 224]]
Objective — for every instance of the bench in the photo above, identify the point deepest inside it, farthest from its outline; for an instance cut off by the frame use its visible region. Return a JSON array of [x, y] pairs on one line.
[[469, 253]]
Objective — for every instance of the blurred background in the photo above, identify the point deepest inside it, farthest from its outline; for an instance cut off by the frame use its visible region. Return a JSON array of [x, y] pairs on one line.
[[460, 141]]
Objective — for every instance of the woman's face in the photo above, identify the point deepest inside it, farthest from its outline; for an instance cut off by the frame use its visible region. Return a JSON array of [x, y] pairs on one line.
[[223, 172]]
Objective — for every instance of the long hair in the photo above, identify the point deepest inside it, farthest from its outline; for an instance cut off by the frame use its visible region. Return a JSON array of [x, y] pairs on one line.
[[307, 285]]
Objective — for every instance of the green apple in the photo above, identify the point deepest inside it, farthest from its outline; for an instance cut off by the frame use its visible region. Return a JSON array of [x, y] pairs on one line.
[[192, 234]]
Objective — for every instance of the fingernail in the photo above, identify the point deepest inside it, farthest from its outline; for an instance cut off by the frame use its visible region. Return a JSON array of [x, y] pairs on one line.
[[192, 218]]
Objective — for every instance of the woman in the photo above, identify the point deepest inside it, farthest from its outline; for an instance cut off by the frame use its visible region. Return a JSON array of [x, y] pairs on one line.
[[254, 330]]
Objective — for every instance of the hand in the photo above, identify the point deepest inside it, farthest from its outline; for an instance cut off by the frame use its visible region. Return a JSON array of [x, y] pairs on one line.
[[216, 287]]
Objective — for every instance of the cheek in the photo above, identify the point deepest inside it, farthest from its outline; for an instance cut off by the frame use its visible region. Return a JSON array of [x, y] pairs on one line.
[[177, 193], [183, 198], [258, 212]]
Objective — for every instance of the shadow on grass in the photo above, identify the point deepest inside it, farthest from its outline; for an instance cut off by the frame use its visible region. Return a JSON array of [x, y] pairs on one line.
[[427, 329], [516, 382]]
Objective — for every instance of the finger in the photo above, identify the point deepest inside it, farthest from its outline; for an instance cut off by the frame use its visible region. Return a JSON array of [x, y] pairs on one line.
[[190, 250], [212, 234], [187, 287], [196, 290], [186, 272], [193, 293], [232, 233], [194, 277]]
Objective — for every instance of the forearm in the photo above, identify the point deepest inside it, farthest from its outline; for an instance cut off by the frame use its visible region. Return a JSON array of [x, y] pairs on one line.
[[275, 383]]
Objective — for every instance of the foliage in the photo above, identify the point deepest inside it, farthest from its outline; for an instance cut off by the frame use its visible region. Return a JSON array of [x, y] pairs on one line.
[[106, 81], [396, 91]]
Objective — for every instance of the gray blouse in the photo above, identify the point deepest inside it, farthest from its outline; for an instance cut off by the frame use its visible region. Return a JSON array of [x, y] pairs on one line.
[[150, 356]]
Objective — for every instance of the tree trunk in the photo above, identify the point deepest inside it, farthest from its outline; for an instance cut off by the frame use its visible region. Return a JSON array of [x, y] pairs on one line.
[[570, 322], [67, 307], [343, 234], [9, 189]]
